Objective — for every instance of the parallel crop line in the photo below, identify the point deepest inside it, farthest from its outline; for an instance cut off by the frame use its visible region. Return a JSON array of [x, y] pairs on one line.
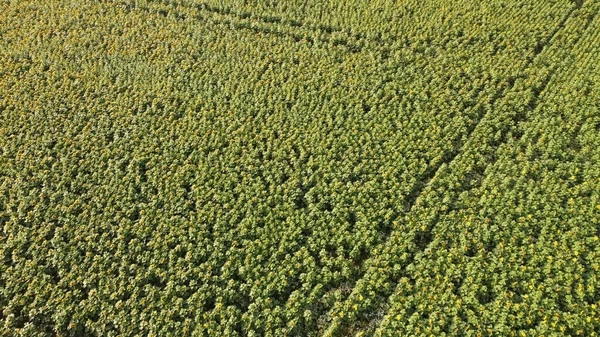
[[325, 32], [433, 173]]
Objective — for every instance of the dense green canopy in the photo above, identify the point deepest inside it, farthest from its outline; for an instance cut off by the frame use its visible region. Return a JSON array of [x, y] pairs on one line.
[[299, 168]]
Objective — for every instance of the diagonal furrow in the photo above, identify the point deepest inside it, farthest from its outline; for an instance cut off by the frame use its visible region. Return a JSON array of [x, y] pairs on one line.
[[365, 316], [259, 24], [471, 267]]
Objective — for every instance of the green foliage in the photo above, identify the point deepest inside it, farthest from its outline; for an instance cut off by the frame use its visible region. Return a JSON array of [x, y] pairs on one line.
[[299, 168]]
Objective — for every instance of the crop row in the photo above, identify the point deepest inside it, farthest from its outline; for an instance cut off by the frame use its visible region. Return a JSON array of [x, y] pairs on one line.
[[505, 241]]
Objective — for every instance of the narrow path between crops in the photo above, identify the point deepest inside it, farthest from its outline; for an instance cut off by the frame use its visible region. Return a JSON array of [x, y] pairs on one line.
[[343, 327]]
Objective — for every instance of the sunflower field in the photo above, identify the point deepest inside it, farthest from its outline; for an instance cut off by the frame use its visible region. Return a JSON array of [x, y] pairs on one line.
[[299, 168]]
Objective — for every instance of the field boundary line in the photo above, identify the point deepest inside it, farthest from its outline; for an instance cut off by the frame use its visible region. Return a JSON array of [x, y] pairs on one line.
[[325, 29], [353, 43]]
